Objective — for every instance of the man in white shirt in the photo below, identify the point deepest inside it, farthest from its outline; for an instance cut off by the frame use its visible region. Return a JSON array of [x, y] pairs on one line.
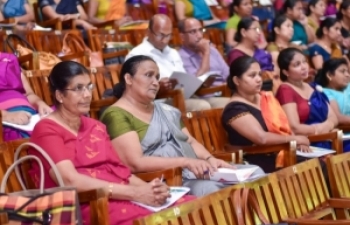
[[168, 59]]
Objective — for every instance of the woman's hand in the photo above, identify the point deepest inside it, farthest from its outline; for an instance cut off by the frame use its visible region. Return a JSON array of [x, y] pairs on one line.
[[124, 20], [199, 167], [43, 108], [154, 193], [304, 148], [218, 163], [85, 25], [301, 140], [19, 117]]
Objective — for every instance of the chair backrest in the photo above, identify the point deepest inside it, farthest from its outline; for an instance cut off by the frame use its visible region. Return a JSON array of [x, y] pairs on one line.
[[206, 127], [98, 37], [199, 211], [303, 188], [339, 169], [38, 80]]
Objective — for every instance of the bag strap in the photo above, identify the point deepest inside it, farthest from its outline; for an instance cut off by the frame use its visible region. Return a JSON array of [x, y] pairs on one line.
[[253, 202], [15, 36], [78, 41], [46, 157], [15, 165]]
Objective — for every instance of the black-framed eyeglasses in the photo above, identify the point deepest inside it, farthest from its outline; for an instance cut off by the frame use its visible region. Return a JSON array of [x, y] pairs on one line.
[[161, 36], [194, 31], [79, 89]]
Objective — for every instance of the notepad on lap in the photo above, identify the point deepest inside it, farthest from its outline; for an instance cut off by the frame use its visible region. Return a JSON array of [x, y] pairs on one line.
[[28, 127], [316, 152], [176, 194], [191, 83], [232, 176]]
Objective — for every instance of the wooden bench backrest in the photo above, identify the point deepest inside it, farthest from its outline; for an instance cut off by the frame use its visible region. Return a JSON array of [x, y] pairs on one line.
[[303, 188], [199, 211], [38, 80], [339, 169], [98, 37], [205, 126]]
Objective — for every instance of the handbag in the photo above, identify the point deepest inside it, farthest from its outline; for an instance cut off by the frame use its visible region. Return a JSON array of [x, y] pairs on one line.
[[46, 60], [39, 206], [73, 43]]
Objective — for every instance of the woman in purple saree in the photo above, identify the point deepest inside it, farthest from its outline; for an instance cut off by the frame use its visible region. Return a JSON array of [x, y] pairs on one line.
[[17, 99]]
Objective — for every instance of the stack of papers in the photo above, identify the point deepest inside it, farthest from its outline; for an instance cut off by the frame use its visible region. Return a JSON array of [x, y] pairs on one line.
[[176, 194], [232, 176], [316, 152], [28, 127], [137, 24]]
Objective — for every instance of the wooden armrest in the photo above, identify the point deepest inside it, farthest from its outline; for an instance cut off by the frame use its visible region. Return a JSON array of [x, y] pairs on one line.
[[336, 137], [32, 59], [234, 157], [57, 24], [4, 220], [103, 102], [317, 222], [8, 21], [98, 201], [110, 55], [344, 127], [210, 90], [173, 176], [178, 98], [84, 56], [339, 203], [104, 24]]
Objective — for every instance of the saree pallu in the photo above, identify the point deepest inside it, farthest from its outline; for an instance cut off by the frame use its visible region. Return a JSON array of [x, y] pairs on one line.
[[116, 10], [275, 119], [201, 11], [11, 133], [318, 104]]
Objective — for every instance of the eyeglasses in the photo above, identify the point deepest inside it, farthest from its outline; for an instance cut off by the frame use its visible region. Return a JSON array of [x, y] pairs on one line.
[[79, 89], [161, 36], [194, 31]]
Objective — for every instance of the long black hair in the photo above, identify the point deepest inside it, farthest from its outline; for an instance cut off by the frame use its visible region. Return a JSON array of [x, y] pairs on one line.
[[329, 67]]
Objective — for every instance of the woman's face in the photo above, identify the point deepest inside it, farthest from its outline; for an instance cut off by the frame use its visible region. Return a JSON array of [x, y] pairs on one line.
[[319, 9], [245, 8], [76, 97], [145, 82], [250, 82], [334, 32], [253, 32], [297, 11], [286, 30], [341, 77], [298, 69]]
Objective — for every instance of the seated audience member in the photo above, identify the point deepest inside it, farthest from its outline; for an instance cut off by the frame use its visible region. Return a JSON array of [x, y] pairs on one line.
[[254, 117], [248, 33], [326, 45], [199, 10], [83, 153], [65, 10], [153, 133], [238, 10], [17, 99], [303, 33], [343, 16], [281, 35], [168, 60], [315, 11], [332, 8], [23, 14], [334, 77], [200, 57], [105, 10], [306, 106]]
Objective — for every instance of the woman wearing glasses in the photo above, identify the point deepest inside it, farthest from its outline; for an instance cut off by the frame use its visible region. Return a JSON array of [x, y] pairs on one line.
[[84, 156], [247, 35]]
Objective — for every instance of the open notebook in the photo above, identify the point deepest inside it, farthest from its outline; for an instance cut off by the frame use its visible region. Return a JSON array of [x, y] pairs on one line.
[[316, 152], [176, 194], [28, 127]]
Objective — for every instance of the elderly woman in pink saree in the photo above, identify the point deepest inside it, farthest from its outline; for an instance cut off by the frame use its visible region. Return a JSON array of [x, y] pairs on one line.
[[81, 149], [17, 99]]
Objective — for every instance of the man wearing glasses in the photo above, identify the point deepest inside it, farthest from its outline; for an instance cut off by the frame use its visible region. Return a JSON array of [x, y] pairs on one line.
[[200, 57]]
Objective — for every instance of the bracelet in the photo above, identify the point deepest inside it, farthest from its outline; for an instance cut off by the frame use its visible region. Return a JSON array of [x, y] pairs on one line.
[[110, 190], [206, 159]]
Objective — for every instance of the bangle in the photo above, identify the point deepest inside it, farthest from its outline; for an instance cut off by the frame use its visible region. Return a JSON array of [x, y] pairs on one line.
[[110, 190], [206, 159]]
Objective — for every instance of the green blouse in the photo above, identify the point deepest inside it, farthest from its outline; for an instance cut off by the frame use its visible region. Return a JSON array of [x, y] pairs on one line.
[[118, 121], [232, 23]]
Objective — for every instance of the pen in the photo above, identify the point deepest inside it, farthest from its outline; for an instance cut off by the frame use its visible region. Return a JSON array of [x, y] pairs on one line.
[[161, 178]]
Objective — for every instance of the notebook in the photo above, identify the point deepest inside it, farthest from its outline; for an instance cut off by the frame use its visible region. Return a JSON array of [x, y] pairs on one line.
[[191, 83], [176, 194], [233, 176], [316, 152], [28, 127]]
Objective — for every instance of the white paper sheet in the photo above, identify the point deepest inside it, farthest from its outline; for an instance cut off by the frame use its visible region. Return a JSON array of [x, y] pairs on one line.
[[316, 152], [233, 176], [28, 127], [176, 194]]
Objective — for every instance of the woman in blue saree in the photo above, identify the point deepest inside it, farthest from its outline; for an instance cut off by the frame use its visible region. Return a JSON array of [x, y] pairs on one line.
[[334, 77], [306, 106]]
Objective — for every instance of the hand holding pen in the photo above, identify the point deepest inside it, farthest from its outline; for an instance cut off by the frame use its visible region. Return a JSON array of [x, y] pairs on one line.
[[160, 190]]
